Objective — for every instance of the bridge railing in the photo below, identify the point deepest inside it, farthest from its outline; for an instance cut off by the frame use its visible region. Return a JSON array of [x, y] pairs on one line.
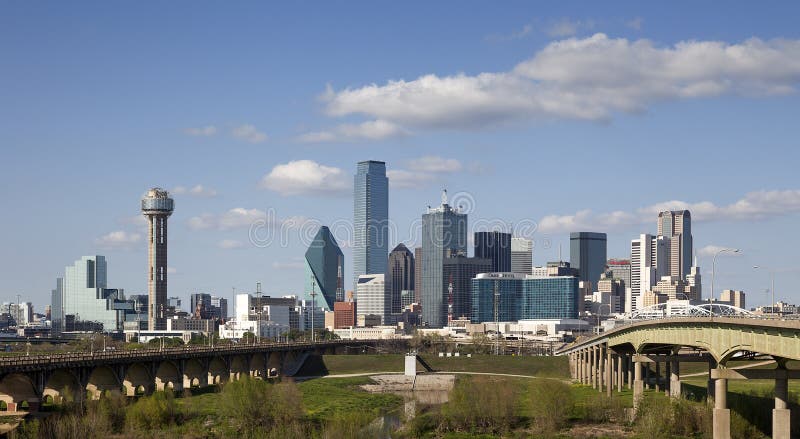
[[73, 357]]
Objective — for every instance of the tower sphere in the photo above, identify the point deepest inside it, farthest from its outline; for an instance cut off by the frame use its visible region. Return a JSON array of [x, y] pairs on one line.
[[157, 202]]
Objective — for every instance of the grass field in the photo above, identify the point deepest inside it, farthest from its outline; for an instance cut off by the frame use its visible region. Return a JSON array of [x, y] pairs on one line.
[[547, 367]]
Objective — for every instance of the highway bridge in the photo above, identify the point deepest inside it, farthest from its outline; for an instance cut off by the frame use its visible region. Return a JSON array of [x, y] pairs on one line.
[[616, 357], [28, 381]]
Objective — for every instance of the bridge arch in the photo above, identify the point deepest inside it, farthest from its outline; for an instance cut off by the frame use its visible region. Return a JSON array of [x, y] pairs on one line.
[[274, 363], [102, 379], [258, 365], [62, 386], [168, 376], [137, 380], [16, 391], [240, 367], [195, 374], [218, 371]]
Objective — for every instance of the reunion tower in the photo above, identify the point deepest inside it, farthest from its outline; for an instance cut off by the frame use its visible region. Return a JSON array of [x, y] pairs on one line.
[[157, 206]]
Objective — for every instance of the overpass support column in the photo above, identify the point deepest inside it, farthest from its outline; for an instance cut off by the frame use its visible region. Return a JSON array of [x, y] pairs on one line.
[[585, 366], [579, 366], [667, 375], [593, 367], [638, 384], [710, 389], [722, 414], [609, 372], [629, 370], [675, 379], [601, 369], [620, 374], [658, 374], [781, 415]]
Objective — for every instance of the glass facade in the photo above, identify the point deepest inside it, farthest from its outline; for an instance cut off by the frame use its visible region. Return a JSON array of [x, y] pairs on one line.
[[401, 275], [444, 233], [325, 269], [458, 272], [84, 295], [587, 254], [495, 246], [519, 298], [370, 219]]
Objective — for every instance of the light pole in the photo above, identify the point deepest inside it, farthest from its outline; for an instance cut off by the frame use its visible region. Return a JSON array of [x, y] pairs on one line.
[[599, 313], [258, 310], [313, 304], [714, 267], [772, 285]]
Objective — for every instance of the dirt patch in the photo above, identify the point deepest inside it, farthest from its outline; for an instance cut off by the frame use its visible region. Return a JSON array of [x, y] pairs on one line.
[[598, 431]]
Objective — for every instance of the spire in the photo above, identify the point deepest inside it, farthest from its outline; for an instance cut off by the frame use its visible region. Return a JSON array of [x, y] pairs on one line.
[[444, 197]]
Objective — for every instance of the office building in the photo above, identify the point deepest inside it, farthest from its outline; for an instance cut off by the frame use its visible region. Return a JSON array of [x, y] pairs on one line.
[[444, 233], [219, 307], [521, 255], [495, 246], [84, 297], [677, 226], [458, 272], [518, 296], [614, 288], [401, 275], [620, 269], [370, 219], [587, 253], [733, 297], [372, 297], [324, 270], [694, 280], [649, 263], [344, 315], [157, 206], [200, 305], [418, 275]]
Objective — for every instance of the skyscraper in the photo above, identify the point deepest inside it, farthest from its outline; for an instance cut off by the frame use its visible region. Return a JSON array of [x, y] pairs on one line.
[[157, 206], [325, 269], [677, 226], [648, 254], [370, 219], [418, 275], [587, 253], [372, 297], [495, 246], [523, 296], [521, 255], [84, 296], [401, 275], [457, 273], [444, 233]]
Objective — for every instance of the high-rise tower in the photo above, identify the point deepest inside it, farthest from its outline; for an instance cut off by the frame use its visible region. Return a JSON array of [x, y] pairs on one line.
[[587, 253], [370, 219], [157, 206], [677, 226], [325, 269]]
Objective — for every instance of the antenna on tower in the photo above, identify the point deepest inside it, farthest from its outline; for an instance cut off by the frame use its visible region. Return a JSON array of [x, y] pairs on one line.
[[444, 197], [559, 253]]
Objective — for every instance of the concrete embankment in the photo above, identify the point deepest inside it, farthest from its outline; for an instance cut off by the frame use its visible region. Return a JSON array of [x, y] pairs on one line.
[[403, 383]]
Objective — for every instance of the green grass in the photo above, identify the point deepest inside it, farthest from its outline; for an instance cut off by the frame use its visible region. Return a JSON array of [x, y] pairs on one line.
[[549, 367], [329, 398]]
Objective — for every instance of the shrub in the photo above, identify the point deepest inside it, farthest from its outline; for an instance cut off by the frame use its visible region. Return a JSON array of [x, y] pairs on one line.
[[551, 402], [480, 405], [153, 412]]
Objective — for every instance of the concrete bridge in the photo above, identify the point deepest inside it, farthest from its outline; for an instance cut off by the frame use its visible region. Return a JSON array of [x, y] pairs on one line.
[[27, 382], [615, 359]]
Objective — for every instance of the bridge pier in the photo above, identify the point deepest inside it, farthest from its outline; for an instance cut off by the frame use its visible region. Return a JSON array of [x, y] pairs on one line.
[[593, 367], [675, 379], [781, 415], [609, 372], [722, 414], [620, 373], [638, 384]]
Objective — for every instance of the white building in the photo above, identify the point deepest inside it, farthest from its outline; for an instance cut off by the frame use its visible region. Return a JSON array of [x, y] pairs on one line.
[[649, 262], [372, 297], [236, 330], [521, 255], [378, 332]]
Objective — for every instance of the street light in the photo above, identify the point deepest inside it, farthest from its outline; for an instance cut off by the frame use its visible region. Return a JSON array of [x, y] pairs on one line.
[[772, 285], [599, 313], [714, 266]]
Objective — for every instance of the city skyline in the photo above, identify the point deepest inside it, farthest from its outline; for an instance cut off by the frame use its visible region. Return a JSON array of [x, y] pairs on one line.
[[284, 133]]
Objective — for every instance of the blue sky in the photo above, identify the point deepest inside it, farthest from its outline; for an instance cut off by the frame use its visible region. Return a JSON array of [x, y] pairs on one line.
[[583, 116]]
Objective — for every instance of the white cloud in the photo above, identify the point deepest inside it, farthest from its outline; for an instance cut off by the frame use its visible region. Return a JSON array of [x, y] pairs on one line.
[[235, 218], [753, 206], [205, 131], [119, 239], [711, 250], [635, 24], [516, 35], [369, 130], [230, 244], [579, 78], [197, 191], [306, 177], [248, 133], [567, 28], [431, 163], [400, 178]]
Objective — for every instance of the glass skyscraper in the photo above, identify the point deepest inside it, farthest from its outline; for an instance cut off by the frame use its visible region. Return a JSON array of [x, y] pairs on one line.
[[444, 234], [83, 294], [495, 246], [401, 276], [524, 297], [325, 269], [587, 254], [370, 219]]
